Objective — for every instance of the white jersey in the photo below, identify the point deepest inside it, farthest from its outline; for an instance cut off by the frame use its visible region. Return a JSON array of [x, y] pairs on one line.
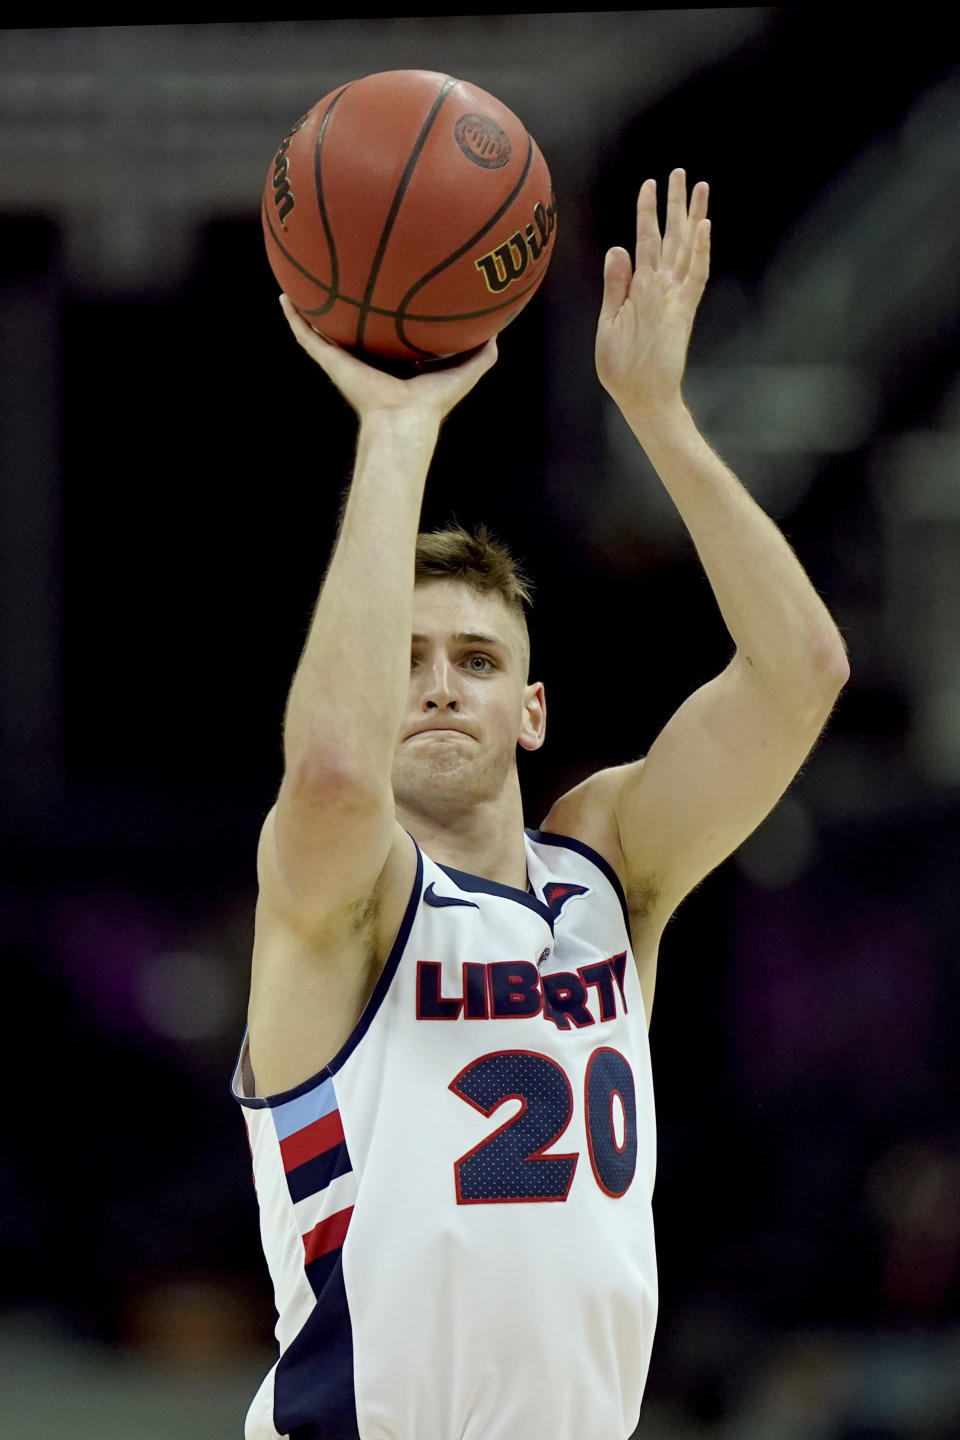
[[456, 1211]]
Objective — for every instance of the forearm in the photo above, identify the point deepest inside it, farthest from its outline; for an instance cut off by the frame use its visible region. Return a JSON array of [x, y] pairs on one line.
[[780, 626], [346, 702]]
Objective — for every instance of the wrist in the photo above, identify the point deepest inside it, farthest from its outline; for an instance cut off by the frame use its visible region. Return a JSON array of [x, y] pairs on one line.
[[669, 424], [401, 425]]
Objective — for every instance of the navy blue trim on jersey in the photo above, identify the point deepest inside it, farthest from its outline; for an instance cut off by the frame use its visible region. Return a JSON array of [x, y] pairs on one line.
[[386, 974], [476, 883], [320, 1270], [316, 1174], [257, 1102], [316, 1400], [567, 842]]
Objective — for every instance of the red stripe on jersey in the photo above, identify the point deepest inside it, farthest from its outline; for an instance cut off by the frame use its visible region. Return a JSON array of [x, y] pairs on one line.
[[328, 1235], [312, 1140]]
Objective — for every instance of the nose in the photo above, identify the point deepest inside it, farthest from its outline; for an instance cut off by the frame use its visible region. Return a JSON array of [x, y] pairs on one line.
[[439, 687]]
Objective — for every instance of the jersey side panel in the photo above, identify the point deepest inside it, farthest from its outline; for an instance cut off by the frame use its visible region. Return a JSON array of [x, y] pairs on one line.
[[306, 1191]]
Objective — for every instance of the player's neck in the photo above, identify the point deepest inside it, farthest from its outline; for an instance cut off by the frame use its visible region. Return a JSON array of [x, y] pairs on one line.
[[486, 840]]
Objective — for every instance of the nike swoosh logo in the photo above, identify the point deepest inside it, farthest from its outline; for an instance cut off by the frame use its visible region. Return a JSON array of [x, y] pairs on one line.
[[439, 901]]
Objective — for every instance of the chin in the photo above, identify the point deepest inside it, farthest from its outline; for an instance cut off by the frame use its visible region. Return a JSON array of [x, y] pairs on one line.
[[445, 777]]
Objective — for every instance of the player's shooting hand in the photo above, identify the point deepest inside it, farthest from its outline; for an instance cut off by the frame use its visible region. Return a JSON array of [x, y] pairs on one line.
[[647, 312], [369, 390]]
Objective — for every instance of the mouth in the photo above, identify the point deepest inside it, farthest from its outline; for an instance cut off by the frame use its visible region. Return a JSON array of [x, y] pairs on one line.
[[439, 730]]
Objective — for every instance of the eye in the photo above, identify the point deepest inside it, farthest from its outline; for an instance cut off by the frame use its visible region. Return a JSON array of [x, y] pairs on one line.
[[481, 664]]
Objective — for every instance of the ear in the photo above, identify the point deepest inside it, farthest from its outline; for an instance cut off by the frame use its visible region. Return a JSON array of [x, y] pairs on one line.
[[533, 724]]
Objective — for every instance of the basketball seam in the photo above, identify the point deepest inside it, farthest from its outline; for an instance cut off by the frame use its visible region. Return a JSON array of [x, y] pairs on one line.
[[320, 284], [379, 309], [327, 227], [401, 190], [433, 319], [400, 313]]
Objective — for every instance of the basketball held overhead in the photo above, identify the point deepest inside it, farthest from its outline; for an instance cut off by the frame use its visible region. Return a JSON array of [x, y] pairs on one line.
[[409, 215]]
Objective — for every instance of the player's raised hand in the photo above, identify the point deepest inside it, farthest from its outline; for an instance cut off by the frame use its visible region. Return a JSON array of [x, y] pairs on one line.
[[369, 390], [648, 308]]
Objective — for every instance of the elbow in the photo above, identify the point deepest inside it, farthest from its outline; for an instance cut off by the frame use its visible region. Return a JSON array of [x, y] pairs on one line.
[[821, 665], [823, 678], [833, 664], [805, 682], [841, 673], [333, 779]]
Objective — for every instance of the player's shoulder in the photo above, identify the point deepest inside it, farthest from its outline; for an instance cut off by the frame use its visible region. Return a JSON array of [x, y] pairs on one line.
[[588, 813], [311, 977], [315, 908]]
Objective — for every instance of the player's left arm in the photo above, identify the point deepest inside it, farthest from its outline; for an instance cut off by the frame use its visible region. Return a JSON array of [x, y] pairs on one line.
[[728, 754]]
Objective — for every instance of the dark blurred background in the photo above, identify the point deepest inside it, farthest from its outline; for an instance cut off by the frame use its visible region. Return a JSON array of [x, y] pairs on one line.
[[171, 468]]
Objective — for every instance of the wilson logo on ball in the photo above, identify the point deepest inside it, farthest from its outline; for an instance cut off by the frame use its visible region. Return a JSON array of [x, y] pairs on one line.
[[507, 262], [482, 141], [282, 193]]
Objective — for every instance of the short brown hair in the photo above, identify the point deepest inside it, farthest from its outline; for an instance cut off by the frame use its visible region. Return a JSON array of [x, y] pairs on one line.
[[476, 558]]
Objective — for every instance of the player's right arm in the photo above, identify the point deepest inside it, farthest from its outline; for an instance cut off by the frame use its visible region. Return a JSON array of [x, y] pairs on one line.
[[332, 834]]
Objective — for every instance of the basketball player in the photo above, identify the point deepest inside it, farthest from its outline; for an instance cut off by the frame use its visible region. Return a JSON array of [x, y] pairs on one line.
[[446, 1076]]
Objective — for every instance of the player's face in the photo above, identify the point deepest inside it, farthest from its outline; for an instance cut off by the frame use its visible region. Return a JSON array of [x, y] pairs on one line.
[[469, 705]]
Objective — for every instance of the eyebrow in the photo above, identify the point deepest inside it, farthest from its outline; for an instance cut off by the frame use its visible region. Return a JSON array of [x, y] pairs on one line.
[[466, 637]]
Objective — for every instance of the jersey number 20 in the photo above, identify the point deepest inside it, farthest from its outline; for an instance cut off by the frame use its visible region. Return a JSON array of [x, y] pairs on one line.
[[510, 1165]]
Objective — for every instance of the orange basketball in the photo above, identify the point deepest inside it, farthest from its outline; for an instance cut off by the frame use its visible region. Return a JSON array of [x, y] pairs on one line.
[[409, 215]]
